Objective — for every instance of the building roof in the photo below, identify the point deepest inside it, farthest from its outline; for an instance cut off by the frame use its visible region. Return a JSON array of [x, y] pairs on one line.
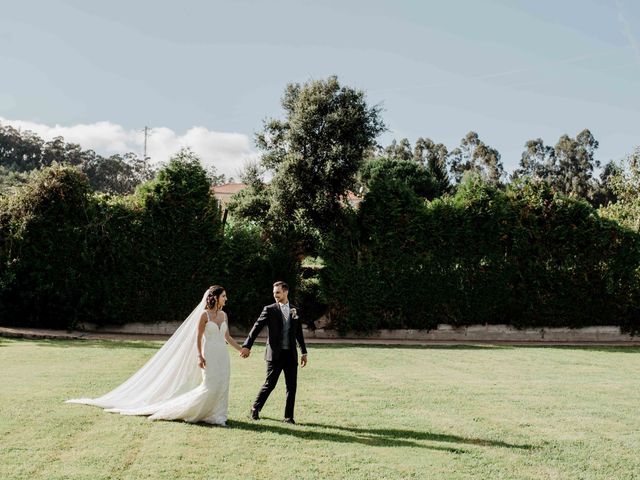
[[229, 188]]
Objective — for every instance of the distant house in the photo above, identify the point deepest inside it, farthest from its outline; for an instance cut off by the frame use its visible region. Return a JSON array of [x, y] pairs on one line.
[[224, 192]]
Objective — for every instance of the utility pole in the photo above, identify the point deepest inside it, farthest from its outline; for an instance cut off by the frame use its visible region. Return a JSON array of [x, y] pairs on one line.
[[146, 135], [145, 159]]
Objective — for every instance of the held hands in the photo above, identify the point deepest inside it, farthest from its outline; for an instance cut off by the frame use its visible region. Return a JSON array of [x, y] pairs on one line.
[[303, 360], [201, 362]]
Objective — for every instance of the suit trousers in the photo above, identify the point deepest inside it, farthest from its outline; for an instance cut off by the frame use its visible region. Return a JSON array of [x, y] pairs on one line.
[[285, 362]]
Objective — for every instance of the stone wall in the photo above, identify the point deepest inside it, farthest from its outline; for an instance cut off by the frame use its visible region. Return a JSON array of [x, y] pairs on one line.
[[444, 333]]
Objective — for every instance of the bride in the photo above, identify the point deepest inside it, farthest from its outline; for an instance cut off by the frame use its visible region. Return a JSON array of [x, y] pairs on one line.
[[188, 378]]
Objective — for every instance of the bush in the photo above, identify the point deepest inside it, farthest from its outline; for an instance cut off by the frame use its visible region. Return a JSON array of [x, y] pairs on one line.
[[249, 267], [526, 257], [410, 172], [69, 255], [45, 249]]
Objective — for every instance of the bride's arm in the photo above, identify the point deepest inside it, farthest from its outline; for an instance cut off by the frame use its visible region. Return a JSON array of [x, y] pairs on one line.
[[201, 325], [228, 337]]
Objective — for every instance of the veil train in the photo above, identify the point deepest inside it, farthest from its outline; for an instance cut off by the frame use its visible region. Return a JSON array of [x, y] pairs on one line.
[[173, 370]]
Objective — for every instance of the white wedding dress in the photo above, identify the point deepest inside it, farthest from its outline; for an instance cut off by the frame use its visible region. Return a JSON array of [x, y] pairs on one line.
[[209, 401], [171, 386]]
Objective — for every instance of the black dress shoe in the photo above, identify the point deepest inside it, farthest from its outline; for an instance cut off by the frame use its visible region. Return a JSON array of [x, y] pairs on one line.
[[253, 414], [289, 420]]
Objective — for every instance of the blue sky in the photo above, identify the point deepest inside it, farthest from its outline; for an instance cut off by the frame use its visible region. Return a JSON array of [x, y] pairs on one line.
[[205, 74]]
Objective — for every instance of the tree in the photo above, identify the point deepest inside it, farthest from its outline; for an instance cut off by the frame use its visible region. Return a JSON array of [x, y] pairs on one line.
[[474, 155], [25, 151], [537, 161], [399, 150], [53, 151], [624, 182], [316, 151], [434, 157], [178, 189], [568, 166], [117, 174], [214, 177], [605, 193], [413, 174], [422, 168], [44, 248], [19, 151], [253, 202], [575, 164]]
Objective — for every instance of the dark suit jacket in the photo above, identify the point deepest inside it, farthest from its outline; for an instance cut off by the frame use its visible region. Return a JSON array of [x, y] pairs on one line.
[[271, 317]]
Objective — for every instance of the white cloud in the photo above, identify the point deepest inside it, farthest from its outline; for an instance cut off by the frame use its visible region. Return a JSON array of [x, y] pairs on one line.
[[228, 152]]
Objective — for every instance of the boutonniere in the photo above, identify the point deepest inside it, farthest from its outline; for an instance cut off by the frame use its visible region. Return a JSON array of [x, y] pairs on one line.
[[294, 314]]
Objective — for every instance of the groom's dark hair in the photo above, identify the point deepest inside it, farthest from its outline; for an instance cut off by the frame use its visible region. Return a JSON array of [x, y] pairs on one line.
[[281, 284]]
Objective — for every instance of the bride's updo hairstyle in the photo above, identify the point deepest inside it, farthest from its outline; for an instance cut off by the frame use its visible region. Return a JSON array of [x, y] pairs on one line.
[[213, 296]]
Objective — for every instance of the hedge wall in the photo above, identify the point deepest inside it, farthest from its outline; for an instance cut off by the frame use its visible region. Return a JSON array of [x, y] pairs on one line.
[[525, 257], [68, 255]]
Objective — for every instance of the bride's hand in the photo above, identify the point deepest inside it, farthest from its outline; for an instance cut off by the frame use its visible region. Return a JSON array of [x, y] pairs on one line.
[[202, 362]]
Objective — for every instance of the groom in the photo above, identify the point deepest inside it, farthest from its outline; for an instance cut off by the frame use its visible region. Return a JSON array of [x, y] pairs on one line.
[[281, 354]]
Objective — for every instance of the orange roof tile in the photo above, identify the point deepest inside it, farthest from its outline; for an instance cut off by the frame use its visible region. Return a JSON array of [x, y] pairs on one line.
[[229, 188]]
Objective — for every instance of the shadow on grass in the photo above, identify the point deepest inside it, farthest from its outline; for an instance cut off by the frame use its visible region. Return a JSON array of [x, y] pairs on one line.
[[306, 434], [417, 435], [369, 437]]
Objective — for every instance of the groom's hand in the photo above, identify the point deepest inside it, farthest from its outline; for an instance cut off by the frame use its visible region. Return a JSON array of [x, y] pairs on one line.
[[303, 361], [245, 352]]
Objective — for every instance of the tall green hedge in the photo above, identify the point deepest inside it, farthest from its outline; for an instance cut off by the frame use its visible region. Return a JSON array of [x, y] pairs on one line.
[[525, 257], [69, 255], [45, 244]]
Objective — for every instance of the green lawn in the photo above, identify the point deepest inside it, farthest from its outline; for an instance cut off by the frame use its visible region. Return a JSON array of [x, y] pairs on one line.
[[364, 413]]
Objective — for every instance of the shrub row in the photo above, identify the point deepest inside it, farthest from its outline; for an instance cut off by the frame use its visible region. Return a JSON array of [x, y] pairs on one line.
[[526, 257], [69, 255]]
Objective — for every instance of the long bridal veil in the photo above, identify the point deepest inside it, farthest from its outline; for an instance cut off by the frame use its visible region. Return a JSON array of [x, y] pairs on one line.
[[173, 370]]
